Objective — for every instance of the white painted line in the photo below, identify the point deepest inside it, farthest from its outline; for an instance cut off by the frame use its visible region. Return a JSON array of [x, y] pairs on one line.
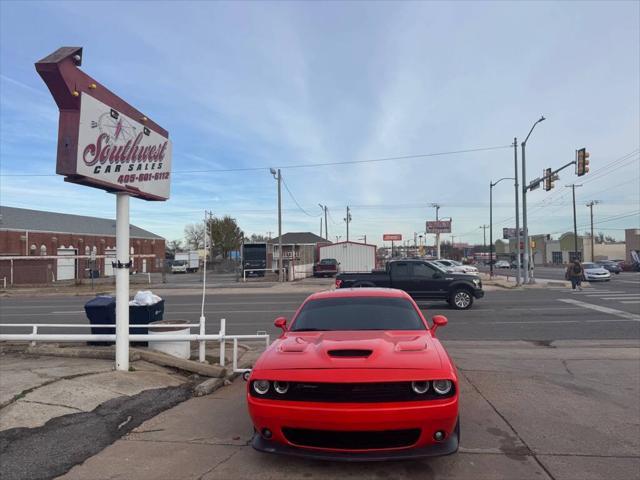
[[599, 308], [622, 297], [63, 313], [635, 282], [632, 301]]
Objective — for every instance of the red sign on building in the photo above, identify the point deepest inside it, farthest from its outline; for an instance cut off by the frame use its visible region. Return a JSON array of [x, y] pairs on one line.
[[392, 237]]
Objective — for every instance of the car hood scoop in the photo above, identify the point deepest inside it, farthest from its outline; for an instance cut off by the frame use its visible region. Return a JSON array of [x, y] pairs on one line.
[[352, 349], [350, 353]]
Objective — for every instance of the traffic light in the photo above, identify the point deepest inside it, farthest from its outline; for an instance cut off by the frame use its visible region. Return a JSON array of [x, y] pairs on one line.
[[548, 179], [582, 163]]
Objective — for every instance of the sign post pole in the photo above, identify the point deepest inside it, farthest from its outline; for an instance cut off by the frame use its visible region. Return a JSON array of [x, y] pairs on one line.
[[122, 281]]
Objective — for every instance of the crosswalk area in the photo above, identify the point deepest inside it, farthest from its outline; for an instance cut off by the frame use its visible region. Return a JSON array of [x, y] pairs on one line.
[[621, 296]]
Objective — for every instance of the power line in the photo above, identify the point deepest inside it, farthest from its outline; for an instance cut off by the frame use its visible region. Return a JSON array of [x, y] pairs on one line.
[[296, 201], [302, 165]]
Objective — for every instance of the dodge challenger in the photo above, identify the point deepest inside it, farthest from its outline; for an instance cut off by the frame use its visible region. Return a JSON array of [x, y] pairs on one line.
[[357, 375]]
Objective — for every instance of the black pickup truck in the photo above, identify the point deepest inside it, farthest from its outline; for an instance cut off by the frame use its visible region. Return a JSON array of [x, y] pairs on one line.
[[420, 279]]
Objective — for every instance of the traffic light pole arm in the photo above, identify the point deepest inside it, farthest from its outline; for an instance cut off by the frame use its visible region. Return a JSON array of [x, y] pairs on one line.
[[552, 174]]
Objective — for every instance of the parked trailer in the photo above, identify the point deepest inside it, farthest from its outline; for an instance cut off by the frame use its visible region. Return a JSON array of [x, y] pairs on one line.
[[353, 257], [254, 258]]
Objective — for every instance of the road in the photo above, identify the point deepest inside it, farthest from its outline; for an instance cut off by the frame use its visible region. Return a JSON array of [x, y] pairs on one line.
[[601, 311]]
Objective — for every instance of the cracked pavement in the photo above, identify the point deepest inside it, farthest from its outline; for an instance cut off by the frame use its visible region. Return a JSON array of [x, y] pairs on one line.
[[564, 410]]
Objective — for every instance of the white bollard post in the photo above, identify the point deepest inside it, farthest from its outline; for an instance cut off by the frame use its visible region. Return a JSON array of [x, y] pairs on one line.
[[35, 332], [235, 354], [202, 348], [223, 325], [122, 282]]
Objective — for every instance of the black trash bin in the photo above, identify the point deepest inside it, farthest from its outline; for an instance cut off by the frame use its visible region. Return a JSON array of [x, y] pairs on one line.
[[102, 311], [144, 315]]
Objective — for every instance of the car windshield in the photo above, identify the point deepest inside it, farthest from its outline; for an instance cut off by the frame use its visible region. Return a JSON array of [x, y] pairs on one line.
[[179, 263], [328, 261], [457, 264], [589, 265], [358, 313]]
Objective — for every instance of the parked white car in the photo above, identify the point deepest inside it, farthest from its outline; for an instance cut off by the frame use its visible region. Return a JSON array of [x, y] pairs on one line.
[[595, 273], [502, 264], [454, 266]]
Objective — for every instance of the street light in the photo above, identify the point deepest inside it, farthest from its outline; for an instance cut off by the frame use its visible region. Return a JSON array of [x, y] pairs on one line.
[[326, 227], [491, 247], [278, 176], [524, 202]]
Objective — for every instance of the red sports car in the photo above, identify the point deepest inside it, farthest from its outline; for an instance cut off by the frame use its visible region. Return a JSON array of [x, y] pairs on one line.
[[358, 375]]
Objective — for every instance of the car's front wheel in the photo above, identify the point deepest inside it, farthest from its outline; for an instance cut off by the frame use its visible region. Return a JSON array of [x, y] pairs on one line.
[[461, 299]]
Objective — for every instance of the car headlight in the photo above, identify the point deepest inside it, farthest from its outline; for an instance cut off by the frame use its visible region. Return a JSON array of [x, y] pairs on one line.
[[420, 387], [281, 387], [442, 386], [261, 387], [476, 282]]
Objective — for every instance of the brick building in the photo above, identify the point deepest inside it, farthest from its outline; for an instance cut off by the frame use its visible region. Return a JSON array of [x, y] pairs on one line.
[[39, 247]]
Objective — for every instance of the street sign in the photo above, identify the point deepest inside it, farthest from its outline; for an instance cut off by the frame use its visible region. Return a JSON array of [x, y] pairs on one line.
[[508, 233], [438, 226], [392, 237], [534, 184]]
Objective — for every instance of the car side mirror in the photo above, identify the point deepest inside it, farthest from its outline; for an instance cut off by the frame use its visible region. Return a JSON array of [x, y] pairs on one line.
[[438, 321], [281, 322]]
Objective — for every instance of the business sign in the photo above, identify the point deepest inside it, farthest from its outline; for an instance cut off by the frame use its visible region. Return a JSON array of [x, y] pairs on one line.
[[103, 141], [508, 233], [439, 226], [116, 150], [392, 237]]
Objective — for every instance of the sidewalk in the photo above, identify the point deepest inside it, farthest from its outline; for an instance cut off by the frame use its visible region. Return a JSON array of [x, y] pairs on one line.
[[565, 411]]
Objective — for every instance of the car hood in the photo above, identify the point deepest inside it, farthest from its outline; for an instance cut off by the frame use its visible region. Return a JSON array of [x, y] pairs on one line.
[[352, 350]]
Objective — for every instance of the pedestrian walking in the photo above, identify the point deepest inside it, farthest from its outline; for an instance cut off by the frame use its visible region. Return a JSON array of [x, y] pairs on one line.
[[575, 273]]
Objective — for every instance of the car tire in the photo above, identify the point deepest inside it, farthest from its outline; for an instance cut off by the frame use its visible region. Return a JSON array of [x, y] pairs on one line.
[[461, 299]]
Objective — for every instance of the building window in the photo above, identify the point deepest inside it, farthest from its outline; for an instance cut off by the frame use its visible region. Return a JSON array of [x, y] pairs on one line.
[[556, 258], [87, 251], [43, 250]]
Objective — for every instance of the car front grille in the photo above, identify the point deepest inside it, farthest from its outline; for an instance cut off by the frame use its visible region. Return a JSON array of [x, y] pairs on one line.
[[352, 440], [353, 393]]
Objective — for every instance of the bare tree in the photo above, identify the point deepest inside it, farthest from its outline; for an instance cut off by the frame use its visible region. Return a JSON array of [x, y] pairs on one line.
[[256, 238], [194, 236], [172, 247]]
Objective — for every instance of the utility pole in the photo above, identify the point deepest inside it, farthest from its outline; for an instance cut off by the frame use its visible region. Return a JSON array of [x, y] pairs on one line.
[[278, 176], [484, 234], [590, 205], [326, 226], [437, 207], [321, 228], [575, 224], [524, 203], [348, 220], [491, 246], [517, 187]]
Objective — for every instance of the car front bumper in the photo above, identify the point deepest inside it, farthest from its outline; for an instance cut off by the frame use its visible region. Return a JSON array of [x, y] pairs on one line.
[[428, 416], [478, 293], [597, 278]]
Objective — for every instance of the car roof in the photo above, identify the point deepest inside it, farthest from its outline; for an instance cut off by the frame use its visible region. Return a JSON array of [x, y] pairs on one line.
[[359, 292]]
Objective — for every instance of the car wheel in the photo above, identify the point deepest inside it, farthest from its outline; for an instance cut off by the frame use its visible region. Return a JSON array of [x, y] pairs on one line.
[[461, 299]]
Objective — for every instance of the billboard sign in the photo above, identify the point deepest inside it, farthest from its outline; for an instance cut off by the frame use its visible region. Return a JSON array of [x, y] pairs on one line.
[[103, 141], [439, 226], [508, 233], [392, 237]]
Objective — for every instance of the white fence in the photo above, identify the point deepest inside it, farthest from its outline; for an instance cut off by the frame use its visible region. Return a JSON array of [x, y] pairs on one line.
[[201, 337]]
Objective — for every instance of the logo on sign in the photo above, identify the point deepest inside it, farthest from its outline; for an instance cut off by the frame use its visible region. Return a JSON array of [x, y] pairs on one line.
[[392, 237]]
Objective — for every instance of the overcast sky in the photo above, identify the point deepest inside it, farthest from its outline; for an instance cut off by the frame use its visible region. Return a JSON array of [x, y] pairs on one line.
[[263, 84]]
